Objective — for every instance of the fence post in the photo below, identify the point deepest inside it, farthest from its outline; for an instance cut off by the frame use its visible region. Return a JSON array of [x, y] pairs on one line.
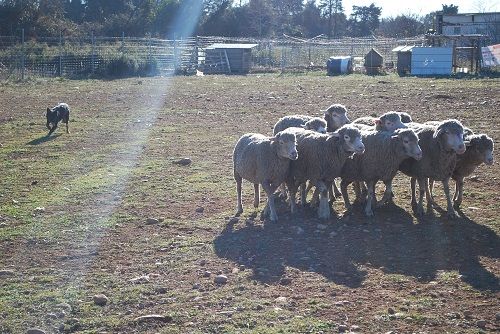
[[22, 54], [123, 42], [60, 54], [93, 53], [282, 58]]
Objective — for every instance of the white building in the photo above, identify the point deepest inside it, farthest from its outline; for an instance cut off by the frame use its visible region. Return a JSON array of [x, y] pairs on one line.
[[470, 24]]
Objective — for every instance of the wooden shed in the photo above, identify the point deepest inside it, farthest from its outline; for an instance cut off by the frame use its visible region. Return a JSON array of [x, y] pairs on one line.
[[404, 59], [228, 58], [373, 62]]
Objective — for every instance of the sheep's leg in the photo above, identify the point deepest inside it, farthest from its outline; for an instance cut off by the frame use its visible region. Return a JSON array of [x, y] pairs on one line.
[[303, 194], [421, 191], [315, 198], [292, 190], [387, 193], [459, 192], [239, 206], [336, 190], [331, 192], [428, 197], [324, 207], [357, 192], [256, 195], [413, 181], [431, 192], [283, 191], [345, 195], [446, 186], [54, 127], [270, 189], [67, 125], [369, 198]]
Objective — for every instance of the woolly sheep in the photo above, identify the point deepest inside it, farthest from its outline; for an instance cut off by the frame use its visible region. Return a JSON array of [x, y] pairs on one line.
[[383, 155], [301, 121], [336, 116], [479, 150], [440, 146], [321, 158], [266, 161], [389, 122]]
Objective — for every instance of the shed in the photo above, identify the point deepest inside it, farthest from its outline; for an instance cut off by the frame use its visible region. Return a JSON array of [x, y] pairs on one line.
[[373, 62], [404, 59], [228, 58], [432, 61]]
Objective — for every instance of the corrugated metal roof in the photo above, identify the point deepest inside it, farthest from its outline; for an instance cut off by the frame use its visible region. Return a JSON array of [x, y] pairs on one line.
[[403, 48], [231, 46]]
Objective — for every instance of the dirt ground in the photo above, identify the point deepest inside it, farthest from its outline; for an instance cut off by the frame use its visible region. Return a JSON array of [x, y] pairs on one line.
[[74, 212]]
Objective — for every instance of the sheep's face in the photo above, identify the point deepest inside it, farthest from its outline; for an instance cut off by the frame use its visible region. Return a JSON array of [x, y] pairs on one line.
[[351, 139], [336, 116], [316, 124], [405, 117], [483, 145], [389, 122], [409, 140], [286, 143], [452, 136]]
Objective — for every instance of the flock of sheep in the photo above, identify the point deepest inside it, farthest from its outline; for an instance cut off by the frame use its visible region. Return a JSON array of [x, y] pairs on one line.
[[306, 152]]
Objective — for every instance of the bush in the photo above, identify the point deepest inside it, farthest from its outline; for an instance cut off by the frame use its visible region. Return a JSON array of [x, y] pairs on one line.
[[122, 66]]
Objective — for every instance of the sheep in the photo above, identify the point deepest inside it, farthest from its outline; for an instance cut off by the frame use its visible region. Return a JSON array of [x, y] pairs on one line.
[[479, 150], [302, 121], [440, 146], [321, 157], [389, 121], [384, 152], [335, 116], [266, 161]]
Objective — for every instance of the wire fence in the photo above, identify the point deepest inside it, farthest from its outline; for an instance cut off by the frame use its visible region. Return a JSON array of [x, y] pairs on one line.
[[62, 56]]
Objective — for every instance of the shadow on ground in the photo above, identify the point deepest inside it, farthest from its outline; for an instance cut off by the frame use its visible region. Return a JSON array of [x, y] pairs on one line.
[[391, 241], [42, 140]]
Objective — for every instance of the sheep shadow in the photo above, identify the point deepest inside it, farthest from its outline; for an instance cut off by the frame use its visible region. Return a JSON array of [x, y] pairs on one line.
[[391, 242], [43, 139]]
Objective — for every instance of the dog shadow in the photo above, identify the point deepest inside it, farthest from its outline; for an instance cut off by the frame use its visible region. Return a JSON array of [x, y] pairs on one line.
[[43, 139], [341, 249]]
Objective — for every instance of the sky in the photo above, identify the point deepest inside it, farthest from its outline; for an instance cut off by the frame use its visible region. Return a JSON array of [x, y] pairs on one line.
[[423, 7]]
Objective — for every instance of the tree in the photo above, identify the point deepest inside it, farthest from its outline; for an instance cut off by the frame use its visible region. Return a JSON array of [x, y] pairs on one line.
[[311, 20], [449, 9], [364, 20], [334, 11], [401, 26]]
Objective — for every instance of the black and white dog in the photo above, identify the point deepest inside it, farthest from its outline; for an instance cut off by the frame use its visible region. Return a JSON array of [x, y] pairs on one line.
[[56, 114]]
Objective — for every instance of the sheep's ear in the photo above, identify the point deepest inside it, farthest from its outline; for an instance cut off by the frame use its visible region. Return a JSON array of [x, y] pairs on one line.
[[439, 131], [395, 137], [377, 122], [335, 134]]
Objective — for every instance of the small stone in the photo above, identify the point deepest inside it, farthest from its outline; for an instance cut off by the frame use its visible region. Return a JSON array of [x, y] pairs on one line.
[[354, 327], [200, 209], [285, 281], [481, 324], [183, 161], [390, 310], [467, 314], [474, 178], [220, 279], [7, 272], [207, 273], [100, 299], [40, 209], [343, 328], [15, 201], [235, 270], [152, 221], [196, 286], [34, 331], [281, 300], [203, 262], [153, 318], [242, 267], [140, 279]]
